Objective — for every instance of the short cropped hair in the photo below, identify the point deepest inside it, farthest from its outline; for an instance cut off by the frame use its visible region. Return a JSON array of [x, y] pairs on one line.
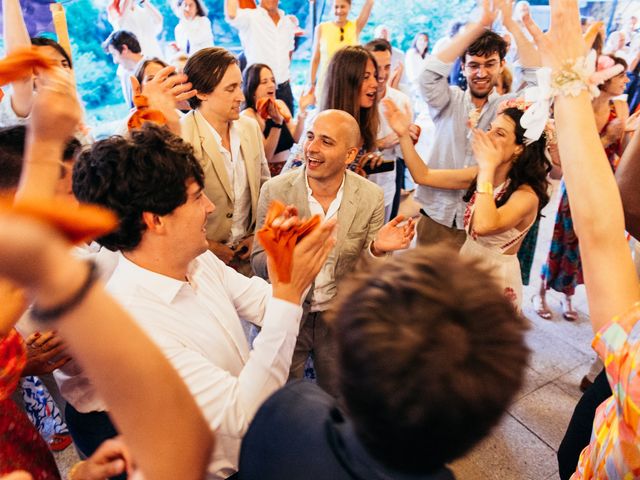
[[205, 70], [12, 141], [487, 44], [379, 45], [119, 38], [431, 353], [47, 42], [145, 172]]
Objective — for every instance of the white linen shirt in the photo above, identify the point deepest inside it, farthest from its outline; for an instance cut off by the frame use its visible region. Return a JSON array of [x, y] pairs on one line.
[[324, 287], [197, 32], [197, 326], [237, 172], [265, 42]]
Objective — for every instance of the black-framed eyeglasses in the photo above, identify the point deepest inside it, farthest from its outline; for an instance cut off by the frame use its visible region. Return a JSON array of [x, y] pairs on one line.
[[342, 34]]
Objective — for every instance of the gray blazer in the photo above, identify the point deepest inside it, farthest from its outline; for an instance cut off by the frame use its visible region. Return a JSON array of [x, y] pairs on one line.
[[360, 216]]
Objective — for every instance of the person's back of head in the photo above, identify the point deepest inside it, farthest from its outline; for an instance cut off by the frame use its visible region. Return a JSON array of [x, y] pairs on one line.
[[121, 38], [145, 172], [431, 354]]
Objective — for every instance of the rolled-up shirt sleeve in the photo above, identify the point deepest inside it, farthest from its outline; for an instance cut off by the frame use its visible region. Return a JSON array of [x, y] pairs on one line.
[[434, 84]]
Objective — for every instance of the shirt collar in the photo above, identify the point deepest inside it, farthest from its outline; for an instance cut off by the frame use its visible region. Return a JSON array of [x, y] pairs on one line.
[[164, 287], [492, 96], [310, 192], [234, 135]]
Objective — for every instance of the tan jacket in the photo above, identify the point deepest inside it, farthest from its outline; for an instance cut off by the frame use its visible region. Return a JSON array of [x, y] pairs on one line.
[[217, 186], [360, 216]]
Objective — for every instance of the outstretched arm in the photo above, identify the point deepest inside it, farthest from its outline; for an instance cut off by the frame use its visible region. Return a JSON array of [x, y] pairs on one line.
[[527, 51], [454, 179], [610, 277], [363, 18], [16, 36]]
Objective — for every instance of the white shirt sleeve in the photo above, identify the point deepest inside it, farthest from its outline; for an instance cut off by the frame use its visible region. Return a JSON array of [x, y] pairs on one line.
[[242, 20]]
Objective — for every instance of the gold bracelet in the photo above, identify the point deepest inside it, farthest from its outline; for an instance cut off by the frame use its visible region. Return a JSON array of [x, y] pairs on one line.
[[74, 470], [485, 187]]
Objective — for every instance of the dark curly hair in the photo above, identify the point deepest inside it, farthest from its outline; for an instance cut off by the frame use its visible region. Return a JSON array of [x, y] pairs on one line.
[[431, 354], [146, 172], [487, 44], [530, 168]]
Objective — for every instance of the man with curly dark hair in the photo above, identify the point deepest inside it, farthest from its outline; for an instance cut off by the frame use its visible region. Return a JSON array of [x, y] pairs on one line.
[[430, 355], [186, 299]]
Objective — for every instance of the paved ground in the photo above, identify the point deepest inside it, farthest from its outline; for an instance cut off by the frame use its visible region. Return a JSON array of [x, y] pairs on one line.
[[524, 445]]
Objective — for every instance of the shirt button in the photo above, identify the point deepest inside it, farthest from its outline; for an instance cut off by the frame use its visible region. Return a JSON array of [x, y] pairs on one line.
[[229, 215]]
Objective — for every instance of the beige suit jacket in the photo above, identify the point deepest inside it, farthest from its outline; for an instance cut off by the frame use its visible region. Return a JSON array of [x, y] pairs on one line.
[[360, 216], [217, 185]]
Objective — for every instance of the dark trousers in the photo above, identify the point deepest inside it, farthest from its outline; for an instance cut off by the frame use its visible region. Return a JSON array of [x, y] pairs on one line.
[[578, 432], [284, 93], [89, 430], [395, 205]]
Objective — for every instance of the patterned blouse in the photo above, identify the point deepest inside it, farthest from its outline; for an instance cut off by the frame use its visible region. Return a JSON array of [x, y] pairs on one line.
[[614, 451]]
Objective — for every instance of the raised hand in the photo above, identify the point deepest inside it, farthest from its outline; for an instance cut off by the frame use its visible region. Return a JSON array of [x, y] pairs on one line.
[[394, 236], [398, 120], [485, 152], [489, 12], [633, 122], [45, 353], [563, 42]]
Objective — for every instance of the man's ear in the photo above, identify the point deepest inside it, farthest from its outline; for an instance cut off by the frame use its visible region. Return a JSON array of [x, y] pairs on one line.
[[502, 65], [352, 153], [153, 222]]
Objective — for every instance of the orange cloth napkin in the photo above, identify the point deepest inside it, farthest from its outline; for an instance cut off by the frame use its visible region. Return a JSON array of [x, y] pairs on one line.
[[78, 223], [20, 64], [262, 107], [279, 244], [143, 114]]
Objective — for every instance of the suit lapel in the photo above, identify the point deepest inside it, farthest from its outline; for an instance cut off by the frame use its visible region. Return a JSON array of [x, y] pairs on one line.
[[299, 194], [248, 154], [211, 150], [347, 211]]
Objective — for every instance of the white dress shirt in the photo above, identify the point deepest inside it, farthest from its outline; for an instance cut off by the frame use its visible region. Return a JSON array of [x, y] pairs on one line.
[[324, 287], [195, 32], [144, 26], [265, 42], [237, 172], [196, 324], [387, 180]]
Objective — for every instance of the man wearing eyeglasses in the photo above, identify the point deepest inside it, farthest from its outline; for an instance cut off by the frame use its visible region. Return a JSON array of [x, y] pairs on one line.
[[455, 112]]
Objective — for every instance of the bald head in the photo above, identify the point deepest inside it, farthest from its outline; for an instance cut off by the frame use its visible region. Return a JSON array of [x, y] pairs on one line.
[[347, 129]]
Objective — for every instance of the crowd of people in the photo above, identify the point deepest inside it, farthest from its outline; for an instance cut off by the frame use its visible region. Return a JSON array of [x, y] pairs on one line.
[[224, 287]]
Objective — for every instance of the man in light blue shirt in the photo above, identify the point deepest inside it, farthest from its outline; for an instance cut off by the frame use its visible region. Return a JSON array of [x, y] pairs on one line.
[[455, 112]]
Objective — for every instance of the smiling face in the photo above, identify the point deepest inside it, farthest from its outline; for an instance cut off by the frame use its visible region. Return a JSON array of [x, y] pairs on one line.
[[369, 87], [482, 73], [341, 9], [326, 149], [186, 225], [503, 136], [225, 101], [616, 85], [189, 9], [383, 59], [267, 85]]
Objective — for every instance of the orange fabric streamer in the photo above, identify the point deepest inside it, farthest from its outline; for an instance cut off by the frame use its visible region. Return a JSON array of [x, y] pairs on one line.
[[262, 107], [1, 95], [78, 223], [20, 64], [278, 243], [144, 114]]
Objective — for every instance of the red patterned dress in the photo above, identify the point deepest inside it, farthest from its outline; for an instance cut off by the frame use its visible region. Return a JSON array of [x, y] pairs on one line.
[[21, 446]]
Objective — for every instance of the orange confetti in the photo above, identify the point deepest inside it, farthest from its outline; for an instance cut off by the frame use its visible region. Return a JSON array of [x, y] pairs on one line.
[[278, 243], [78, 223], [262, 107], [20, 64], [143, 114]]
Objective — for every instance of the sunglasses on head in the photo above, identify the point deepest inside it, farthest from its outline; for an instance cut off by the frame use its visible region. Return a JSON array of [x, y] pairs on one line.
[[342, 34]]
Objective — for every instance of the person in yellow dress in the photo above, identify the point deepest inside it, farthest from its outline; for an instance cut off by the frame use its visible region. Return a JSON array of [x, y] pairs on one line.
[[331, 36]]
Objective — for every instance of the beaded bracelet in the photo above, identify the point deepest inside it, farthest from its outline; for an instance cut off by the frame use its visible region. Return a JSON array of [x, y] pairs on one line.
[[52, 313]]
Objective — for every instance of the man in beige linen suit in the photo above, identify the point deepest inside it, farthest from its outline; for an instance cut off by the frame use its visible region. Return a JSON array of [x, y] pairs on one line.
[[230, 150], [324, 187]]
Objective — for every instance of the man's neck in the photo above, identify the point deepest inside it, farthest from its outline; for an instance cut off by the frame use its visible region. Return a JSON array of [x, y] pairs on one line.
[[480, 102], [220, 125], [326, 190], [274, 14], [166, 265]]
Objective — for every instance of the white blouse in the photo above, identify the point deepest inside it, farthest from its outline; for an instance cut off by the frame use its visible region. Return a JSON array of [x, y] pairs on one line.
[[193, 35]]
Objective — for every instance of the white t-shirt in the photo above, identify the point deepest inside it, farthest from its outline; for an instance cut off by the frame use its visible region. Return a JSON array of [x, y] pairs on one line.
[[193, 35]]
